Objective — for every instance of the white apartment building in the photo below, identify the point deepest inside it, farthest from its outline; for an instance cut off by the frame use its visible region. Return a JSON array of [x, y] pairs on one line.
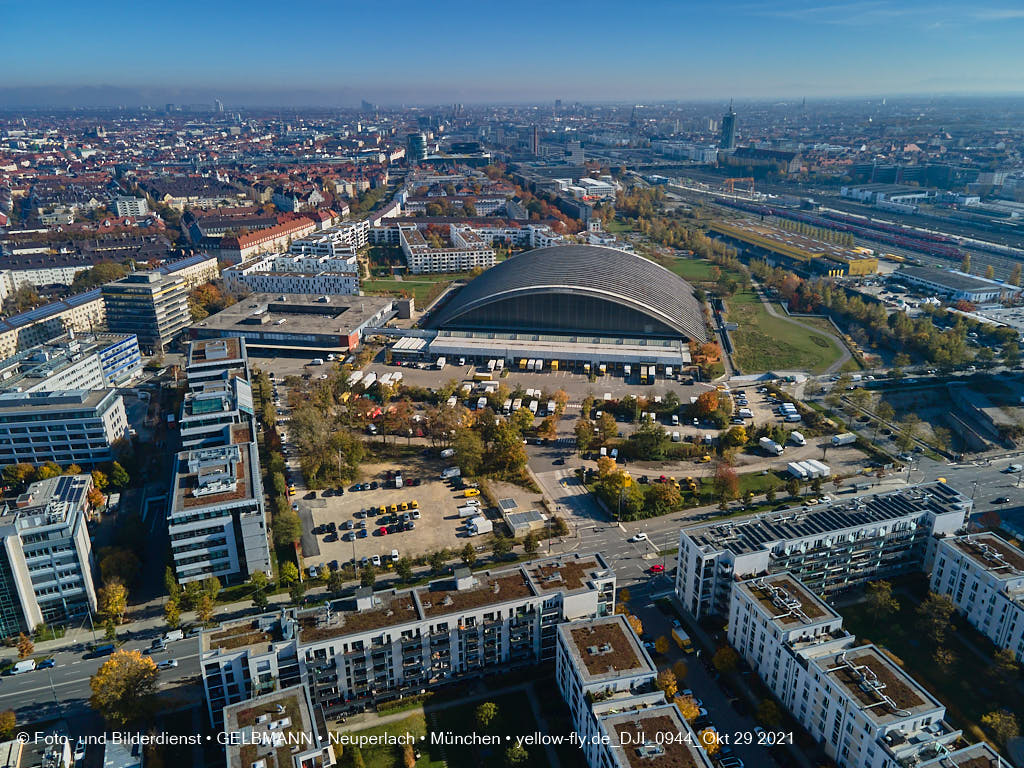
[[216, 360], [81, 312], [607, 680], [131, 206], [829, 547], [467, 251], [216, 520], [381, 645], [281, 729], [984, 575], [863, 709], [309, 274], [68, 427], [73, 362], [340, 240], [46, 563], [211, 410]]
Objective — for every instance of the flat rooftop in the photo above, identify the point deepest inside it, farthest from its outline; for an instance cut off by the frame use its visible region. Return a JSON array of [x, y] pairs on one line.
[[605, 649], [764, 531], [441, 597], [978, 755], [954, 281], [216, 351], [295, 313], [992, 553], [248, 634], [561, 347], [881, 689], [390, 609], [269, 727], [787, 602], [39, 402], [186, 482], [569, 574], [653, 738]]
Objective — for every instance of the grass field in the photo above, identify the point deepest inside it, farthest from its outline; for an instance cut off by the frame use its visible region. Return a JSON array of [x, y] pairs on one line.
[[383, 756], [515, 718], [424, 288], [766, 343], [828, 329], [616, 227], [964, 688]]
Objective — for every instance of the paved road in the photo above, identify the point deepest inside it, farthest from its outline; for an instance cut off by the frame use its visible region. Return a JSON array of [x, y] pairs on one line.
[[834, 368]]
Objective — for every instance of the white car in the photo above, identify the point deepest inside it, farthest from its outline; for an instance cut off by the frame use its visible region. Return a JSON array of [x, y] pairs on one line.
[[167, 664], [375, 560], [639, 537], [471, 503]]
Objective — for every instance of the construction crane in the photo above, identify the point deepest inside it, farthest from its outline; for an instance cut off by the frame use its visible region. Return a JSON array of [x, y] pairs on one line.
[[730, 184]]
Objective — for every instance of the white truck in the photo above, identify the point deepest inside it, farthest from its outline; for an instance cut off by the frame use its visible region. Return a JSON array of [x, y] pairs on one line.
[[846, 438], [676, 437], [533, 406], [468, 511], [480, 525], [552, 406], [517, 404], [481, 403], [441, 363], [354, 377], [369, 379], [447, 453], [449, 472], [26, 665], [769, 446], [797, 438], [796, 469], [506, 407]]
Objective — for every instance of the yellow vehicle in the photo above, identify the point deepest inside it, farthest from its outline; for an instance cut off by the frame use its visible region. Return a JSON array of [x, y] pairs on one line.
[[471, 492], [675, 483], [403, 506], [382, 510], [414, 504], [704, 459], [393, 508], [291, 491]]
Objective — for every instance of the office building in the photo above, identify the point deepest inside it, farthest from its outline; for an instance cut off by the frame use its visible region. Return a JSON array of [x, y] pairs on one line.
[[73, 362], [217, 519], [984, 576], [861, 707], [956, 285], [298, 323], [281, 729], [381, 645], [727, 138], [131, 206], [152, 306], [46, 563], [534, 140], [830, 547], [68, 427], [416, 147]]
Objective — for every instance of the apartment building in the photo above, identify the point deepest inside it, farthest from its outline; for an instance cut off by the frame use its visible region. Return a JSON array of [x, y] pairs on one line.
[[381, 645], [287, 273], [830, 547], [46, 563], [131, 206], [194, 270], [216, 520], [68, 427], [152, 306], [281, 729], [73, 362], [210, 412], [863, 709], [82, 312], [210, 360], [342, 239], [236, 249], [984, 575], [467, 251]]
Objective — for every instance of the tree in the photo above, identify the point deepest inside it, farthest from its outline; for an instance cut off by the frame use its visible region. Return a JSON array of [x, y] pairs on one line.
[[118, 476], [990, 272], [880, 600], [884, 411], [501, 546], [95, 497], [687, 707], [706, 404], [769, 714], [943, 658], [172, 613], [727, 482], [635, 623], [1002, 725], [661, 645], [99, 479], [367, 576], [793, 487], [287, 528], [1004, 668], [118, 564], [725, 660], [469, 450], [584, 431], [708, 739], [558, 526], [288, 574], [48, 470], [18, 474], [607, 426], [260, 601], [485, 714], [516, 755], [358, 761], [296, 592], [204, 608], [8, 722], [113, 601], [667, 683], [335, 582], [965, 263], [468, 555], [530, 543], [124, 688], [404, 569], [25, 646], [438, 559], [680, 670], [934, 615]]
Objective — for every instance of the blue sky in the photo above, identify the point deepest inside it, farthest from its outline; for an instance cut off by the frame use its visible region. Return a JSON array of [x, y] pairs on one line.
[[517, 50]]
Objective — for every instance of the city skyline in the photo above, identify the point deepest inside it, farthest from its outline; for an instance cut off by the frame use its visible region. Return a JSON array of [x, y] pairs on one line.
[[661, 52]]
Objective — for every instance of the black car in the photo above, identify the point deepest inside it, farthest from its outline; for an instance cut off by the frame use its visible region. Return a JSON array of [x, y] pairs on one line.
[[333, 565], [409, 525], [1001, 500], [327, 492], [559, 461], [416, 481], [332, 536], [374, 485], [644, 480], [395, 528], [332, 527]]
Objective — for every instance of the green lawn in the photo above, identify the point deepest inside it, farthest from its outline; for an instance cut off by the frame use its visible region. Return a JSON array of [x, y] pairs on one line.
[[515, 718], [691, 270], [615, 227], [765, 343], [383, 756], [965, 689], [423, 290], [823, 325]]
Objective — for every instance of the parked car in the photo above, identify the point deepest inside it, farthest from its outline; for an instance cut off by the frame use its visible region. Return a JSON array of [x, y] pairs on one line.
[[167, 664]]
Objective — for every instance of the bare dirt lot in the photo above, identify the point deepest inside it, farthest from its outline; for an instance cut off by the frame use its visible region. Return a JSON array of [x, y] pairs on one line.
[[438, 526]]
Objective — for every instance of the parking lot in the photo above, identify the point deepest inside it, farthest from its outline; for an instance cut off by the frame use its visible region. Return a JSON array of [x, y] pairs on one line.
[[437, 527]]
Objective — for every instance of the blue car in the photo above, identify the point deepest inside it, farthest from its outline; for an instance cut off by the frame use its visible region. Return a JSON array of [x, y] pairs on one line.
[[46, 664]]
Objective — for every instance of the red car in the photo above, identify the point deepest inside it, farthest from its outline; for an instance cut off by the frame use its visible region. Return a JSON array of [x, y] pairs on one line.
[[657, 568], [382, 531]]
